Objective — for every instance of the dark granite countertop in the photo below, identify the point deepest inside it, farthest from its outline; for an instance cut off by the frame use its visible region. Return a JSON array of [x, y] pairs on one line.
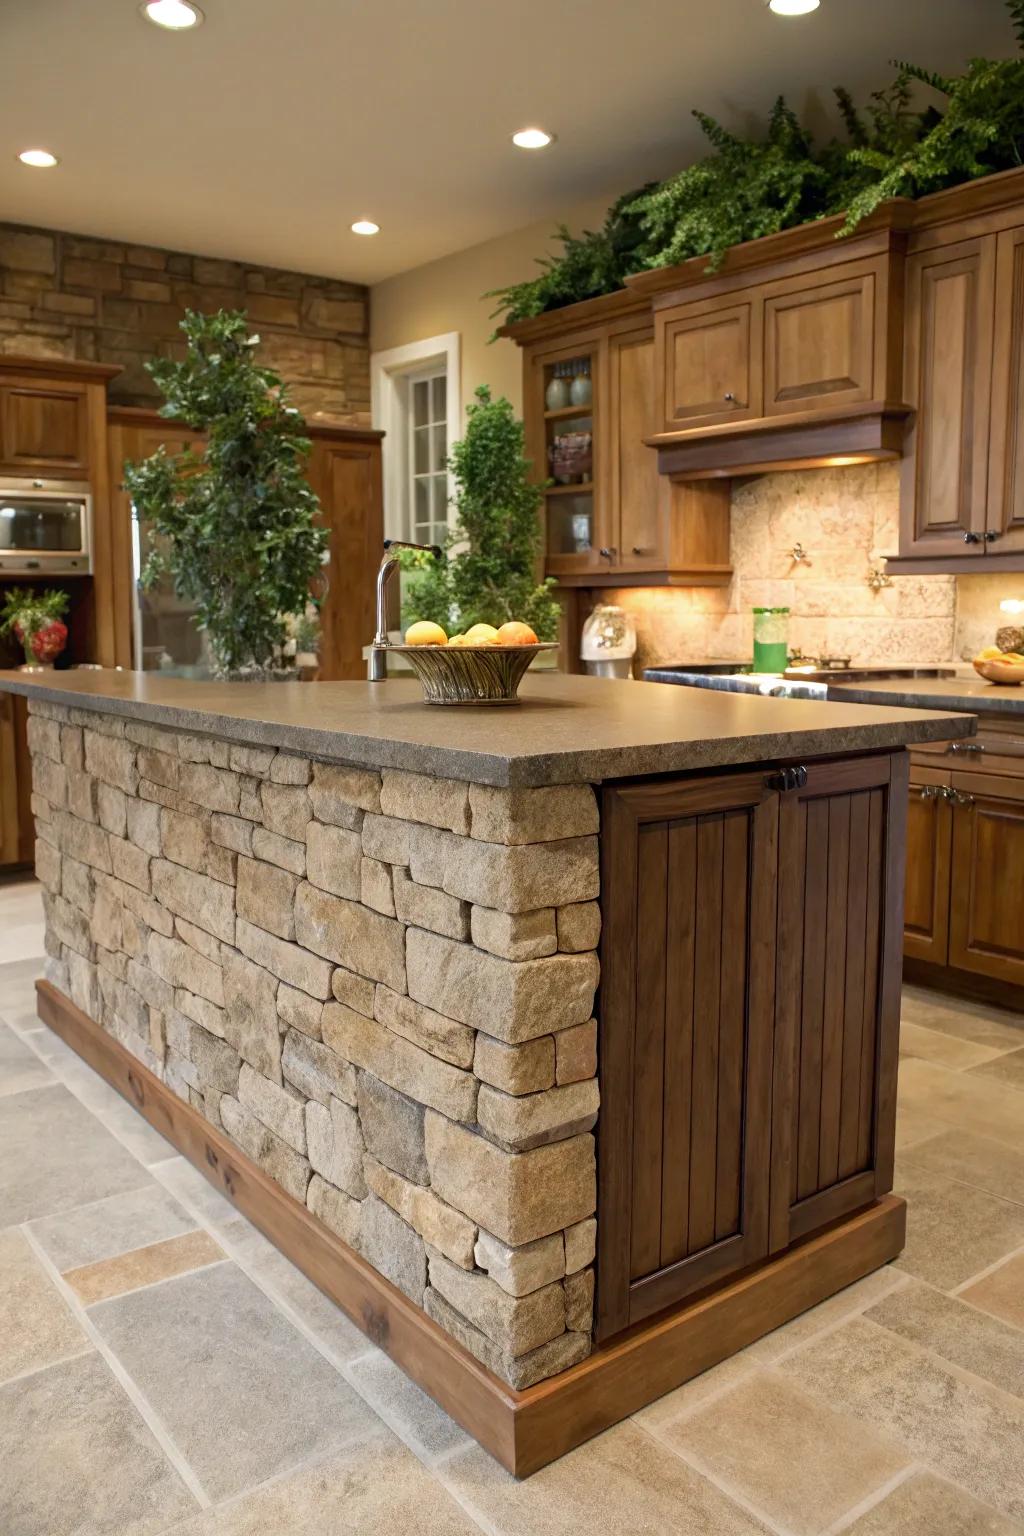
[[565, 730], [960, 693]]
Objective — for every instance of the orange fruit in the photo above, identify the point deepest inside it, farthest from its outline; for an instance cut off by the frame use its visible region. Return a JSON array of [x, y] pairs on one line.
[[425, 633], [516, 633]]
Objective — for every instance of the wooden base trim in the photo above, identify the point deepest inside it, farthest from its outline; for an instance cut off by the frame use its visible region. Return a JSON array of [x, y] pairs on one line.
[[522, 1430], [978, 988]]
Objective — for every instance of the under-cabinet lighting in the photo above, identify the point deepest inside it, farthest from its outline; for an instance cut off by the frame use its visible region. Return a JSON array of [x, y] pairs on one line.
[[39, 159], [1011, 605], [172, 15], [365, 227], [532, 138], [793, 7]]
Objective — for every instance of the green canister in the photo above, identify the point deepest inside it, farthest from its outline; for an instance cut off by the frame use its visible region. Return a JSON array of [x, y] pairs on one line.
[[771, 639]]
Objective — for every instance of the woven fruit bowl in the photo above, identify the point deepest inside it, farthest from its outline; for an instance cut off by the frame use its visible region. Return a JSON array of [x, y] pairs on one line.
[[470, 674], [1000, 671]]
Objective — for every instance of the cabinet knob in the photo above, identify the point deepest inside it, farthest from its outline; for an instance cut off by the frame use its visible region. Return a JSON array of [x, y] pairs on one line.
[[609, 553], [729, 397], [960, 797], [991, 536], [929, 792], [640, 549], [972, 538], [787, 780]]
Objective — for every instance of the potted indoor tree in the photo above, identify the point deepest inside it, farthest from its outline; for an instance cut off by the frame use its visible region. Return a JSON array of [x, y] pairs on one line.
[[235, 523]]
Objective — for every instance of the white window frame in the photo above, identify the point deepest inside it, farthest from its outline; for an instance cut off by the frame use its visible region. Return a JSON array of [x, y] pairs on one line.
[[390, 375]]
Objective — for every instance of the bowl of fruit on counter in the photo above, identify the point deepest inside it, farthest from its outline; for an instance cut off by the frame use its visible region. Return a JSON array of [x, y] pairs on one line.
[[483, 666], [998, 666]]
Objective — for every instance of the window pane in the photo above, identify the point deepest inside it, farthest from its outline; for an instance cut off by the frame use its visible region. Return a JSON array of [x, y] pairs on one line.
[[421, 450], [439, 447], [421, 502], [439, 392], [440, 502], [420, 402]]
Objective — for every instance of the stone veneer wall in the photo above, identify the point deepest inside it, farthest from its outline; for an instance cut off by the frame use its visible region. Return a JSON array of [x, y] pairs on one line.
[[70, 296], [379, 985]]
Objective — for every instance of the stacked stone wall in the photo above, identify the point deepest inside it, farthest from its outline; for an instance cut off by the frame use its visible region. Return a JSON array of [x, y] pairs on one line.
[[379, 985]]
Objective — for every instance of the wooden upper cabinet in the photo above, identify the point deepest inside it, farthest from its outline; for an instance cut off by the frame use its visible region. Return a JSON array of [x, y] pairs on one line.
[[637, 493], [948, 372], [819, 344], [705, 361], [1006, 453], [986, 923], [44, 431], [929, 852]]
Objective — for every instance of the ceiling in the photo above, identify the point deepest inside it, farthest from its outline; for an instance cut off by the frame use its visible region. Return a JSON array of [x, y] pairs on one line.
[[265, 132]]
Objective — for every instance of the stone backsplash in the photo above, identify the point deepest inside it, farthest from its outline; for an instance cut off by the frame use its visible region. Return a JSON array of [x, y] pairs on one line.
[[380, 985], [71, 296]]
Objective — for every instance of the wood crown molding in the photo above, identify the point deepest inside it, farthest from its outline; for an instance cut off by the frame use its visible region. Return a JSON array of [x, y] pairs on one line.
[[59, 368]]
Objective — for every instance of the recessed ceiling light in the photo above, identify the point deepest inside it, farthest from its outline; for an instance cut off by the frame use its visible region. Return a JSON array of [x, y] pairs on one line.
[[365, 227], [41, 159], [532, 138], [793, 7], [173, 15]]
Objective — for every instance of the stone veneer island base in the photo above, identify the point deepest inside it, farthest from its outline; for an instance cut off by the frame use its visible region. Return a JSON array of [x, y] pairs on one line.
[[343, 951]]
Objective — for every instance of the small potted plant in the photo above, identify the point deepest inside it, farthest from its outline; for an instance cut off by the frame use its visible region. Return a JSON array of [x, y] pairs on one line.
[[34, 618]]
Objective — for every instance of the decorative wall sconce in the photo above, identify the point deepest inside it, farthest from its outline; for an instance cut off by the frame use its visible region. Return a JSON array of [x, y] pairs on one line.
[[877, 578]]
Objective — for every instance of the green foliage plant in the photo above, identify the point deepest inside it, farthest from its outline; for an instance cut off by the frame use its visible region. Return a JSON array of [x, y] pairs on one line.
[[235, 522], [492, 553], [747, 188]]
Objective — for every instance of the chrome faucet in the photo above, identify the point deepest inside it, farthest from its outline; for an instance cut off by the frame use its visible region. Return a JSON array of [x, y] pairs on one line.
[[377, 664]]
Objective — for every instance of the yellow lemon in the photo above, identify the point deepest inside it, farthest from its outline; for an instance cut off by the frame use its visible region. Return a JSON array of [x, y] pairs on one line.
[[481, 634], [425, 633], [990, 653]]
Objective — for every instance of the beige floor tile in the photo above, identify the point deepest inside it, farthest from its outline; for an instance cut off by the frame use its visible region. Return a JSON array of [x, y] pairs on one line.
[[967, 1432], [55, 1155], [143, 1266], [36, 1327], [960, 1098], [926, 1505], [1008, 1068], [980, 1022], [953, 1231], [684, 1400], [854, 1298], [195, 1192], [792, 1457], [623, 1482], [917, 1040], [115, 1225], [1001, 1292], [79, 1461], [20, 1067], [983, 1345], [414, 1416], [914, 1125], [971, 1159], [373, 1488]]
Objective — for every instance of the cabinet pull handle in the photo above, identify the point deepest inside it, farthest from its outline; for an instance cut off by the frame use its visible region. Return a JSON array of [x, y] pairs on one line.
[[972, 538], [960, 797], [787, 780], [729, 397], [967, 746], [929, 792], [990, 536], [640, 549], [609, 553]]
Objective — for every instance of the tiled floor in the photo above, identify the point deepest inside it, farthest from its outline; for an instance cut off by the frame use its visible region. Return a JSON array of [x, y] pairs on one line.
[[163, 1369]]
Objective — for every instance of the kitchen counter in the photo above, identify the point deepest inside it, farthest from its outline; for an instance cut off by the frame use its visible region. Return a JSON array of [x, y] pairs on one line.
[[971, 693], [566, 729]]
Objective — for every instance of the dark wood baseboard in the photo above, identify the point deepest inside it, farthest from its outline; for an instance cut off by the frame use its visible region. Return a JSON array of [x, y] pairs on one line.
[[978, 989], [522, 1430]]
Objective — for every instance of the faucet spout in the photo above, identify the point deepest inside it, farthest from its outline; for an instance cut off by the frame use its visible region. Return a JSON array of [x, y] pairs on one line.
[[377, 664]]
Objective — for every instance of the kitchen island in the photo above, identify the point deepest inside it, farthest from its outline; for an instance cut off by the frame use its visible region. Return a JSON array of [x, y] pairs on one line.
[[343, 949]]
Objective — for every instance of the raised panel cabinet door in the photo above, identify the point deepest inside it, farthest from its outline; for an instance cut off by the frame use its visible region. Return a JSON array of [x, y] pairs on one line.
[[840, 929], [929, 844], [986, 930], [44, 431], [708, 371], [686, 1022], [347, 479], [947, 379], [819, 345], [9, 828], [1005, 527], [637, 494]]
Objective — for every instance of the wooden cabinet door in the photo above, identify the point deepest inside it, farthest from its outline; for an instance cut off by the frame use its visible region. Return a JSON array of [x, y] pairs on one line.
[[17, 828], [706, 363], [1005, 527], [689, 872], [44, 431], [947, 367], [347, 479], [840, 925], [819, 346], [637, 495], [929, 847], [986, 929]]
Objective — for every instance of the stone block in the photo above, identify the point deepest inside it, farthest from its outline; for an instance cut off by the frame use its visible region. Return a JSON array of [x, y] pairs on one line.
[[354, 991], [272, 1105], [144, 908], [335, 1143], [346, 932], [111, 759], [23, 250], [520, 1372], [375, 889], [519, 1196], [199, 939], [157, 992], [184, 839], [335, 1209], [203, 749], [516, 1324], [289, 769], [200, 1010], [511, 1000], [142, 825], [514, 936], [250, 1015], [252, 760], [286, 810], [507, 878], [386, 839], [580, 1245], [82, 796], [333, 859], [183, 967], [399, 1063], [442, 1037], [579, 927], [48, 865], [440, 1225], [221, 864], [67, 924], [215, 789], [576, 1053], [579, 1301], [545, 815], [286, 961], [83, 985], [427, 907], [340, 795], [521, 1270], [77, 883], [231, 832], [393, 1248], [317, 1071], [299, 1011], [158, 737], [275, 849], [84, 841], [538, 1118], [265, 896], [422, 798], [159, 767], [392, 1128], [276, 1157], [130, 864], [44, 737], [106, 925], [72, 747], [515, 1069], [197, 898], [50, 778], [219, 1066]]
